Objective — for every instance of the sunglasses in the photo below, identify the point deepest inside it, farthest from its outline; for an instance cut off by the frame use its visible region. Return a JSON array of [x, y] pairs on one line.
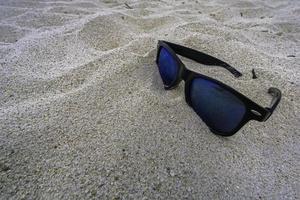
[[224, 110]]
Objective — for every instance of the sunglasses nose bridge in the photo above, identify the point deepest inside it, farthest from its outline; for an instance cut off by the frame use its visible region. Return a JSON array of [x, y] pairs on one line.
[[185, 74]]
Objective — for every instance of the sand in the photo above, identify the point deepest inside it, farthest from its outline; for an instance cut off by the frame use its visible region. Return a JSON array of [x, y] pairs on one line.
[[83, 112]]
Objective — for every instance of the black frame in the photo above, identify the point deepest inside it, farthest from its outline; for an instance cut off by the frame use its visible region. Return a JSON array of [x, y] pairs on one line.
[[253, 110]]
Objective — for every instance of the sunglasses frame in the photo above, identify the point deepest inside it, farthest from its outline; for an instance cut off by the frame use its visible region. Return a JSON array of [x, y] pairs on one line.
[[253, 110]]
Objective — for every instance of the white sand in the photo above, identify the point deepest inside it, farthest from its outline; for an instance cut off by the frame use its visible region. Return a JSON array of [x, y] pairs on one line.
[[83, 113]]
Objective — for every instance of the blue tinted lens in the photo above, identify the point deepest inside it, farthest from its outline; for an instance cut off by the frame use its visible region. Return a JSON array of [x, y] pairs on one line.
[[168, 67], [221, 110]]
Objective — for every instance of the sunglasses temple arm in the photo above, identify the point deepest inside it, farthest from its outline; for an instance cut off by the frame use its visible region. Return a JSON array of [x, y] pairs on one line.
[[276, 94], [202, 57]]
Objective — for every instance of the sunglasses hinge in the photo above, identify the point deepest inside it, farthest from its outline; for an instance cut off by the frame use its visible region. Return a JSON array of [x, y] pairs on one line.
[[268, 114]]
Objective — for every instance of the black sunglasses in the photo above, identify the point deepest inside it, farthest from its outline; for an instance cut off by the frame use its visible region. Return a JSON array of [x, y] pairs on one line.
[[222, 108]]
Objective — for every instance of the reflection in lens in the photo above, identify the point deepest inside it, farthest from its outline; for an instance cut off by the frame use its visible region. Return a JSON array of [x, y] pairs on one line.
[[168, 67], [221, 110]]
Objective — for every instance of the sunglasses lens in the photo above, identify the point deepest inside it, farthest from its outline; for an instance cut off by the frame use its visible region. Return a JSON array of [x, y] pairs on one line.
[[168, 67], [221, 110]]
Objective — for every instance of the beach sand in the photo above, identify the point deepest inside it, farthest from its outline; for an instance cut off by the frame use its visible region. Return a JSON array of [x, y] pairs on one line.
[[83, 112]]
